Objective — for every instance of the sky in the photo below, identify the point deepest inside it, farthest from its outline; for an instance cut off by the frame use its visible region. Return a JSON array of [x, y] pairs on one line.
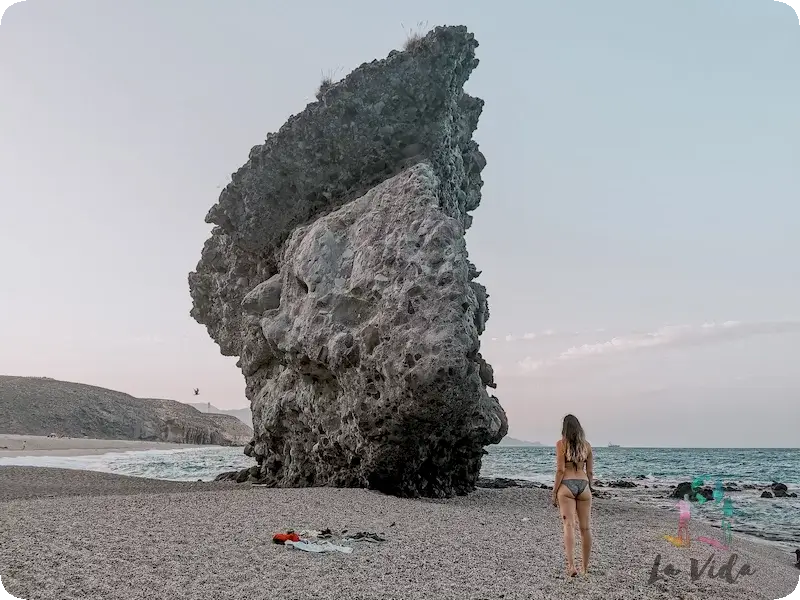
[[638, 233]]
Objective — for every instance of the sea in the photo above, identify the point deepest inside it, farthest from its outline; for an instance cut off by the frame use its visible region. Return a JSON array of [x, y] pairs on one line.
[[653, 470]]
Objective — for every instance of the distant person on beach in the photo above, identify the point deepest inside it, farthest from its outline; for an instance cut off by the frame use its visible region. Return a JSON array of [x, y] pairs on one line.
[[572, 491]]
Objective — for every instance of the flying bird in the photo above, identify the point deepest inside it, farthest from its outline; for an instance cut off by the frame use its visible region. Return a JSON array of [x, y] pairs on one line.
[[196, 391]]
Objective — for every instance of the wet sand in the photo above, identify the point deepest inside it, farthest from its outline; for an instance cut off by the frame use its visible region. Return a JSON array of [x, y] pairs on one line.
[[12, 446]]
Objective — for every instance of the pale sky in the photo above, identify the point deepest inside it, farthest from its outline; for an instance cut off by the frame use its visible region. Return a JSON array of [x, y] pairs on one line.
[[640, 218]]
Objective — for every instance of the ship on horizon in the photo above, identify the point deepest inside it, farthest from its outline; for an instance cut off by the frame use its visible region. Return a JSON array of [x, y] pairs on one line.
[[610, 445]]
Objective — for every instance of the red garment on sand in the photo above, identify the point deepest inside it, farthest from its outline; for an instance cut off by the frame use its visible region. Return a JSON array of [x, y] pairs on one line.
[[281, 538]]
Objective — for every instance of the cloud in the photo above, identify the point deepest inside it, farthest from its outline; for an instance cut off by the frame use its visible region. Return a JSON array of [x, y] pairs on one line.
[[670, 335], [528, 364], [528, 336]]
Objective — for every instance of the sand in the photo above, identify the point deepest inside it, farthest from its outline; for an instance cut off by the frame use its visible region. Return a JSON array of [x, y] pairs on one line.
[[12, 445], [76, 534]]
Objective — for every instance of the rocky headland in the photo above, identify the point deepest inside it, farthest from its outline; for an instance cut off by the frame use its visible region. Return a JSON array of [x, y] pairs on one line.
[[43, 406], [337, 272]]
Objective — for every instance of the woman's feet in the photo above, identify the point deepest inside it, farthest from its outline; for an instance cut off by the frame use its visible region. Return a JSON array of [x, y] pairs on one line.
[[572, 571]]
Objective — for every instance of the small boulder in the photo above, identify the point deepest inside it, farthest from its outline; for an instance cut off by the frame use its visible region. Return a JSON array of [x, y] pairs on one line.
[[495, 483], [622, 484], [707, 493], [683, 488], [766, 494], [503, 482]]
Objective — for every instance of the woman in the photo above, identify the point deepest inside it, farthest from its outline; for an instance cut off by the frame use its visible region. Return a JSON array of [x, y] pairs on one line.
[[572, 492]]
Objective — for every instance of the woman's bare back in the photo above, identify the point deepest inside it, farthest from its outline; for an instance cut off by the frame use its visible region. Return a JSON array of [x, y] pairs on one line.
[[571, 469]]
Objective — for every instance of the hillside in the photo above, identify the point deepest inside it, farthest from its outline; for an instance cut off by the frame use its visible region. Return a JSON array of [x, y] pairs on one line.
[[509, 441], [41, 406], [243, 414]]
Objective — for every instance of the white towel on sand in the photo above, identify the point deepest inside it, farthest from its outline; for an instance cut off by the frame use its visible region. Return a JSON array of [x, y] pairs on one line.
[[323, 547]]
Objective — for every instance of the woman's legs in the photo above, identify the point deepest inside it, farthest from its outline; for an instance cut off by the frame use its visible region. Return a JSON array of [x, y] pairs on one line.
[[583, 506], [566, 505]]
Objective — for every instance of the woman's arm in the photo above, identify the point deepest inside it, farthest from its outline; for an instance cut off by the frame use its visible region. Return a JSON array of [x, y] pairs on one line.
[[560, 466], [590, 467]]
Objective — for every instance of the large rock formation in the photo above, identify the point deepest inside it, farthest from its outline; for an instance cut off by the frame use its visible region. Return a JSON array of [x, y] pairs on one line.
[[338, 273], [41, 406]]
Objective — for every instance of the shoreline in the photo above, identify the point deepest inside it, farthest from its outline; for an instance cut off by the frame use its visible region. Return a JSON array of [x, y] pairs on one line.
[[16, 446], [647, 493], [71, 533]]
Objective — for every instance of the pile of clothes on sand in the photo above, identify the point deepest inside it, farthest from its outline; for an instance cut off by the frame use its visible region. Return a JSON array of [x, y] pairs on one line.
[[311, 540]]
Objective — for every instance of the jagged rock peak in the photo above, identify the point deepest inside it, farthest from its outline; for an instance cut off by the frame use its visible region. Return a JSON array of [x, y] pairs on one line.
[[338, 273]]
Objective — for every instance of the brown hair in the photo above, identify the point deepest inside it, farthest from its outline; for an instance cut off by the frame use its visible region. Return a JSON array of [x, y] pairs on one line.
[[575, 447]]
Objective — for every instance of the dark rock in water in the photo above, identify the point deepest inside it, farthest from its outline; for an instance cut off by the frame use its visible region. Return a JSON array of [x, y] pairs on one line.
[[766, 494], [622, 484], [598, 483], [779, 487], [780, 494], [227, 476], [685, 488], [337, 272], [707, 493], [502, 482], [749, 486]]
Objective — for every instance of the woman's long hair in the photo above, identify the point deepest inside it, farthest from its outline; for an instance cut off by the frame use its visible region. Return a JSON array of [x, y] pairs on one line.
[[575, 450]]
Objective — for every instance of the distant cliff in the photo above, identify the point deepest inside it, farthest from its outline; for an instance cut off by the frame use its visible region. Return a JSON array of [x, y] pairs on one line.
[[41, 406], [509, 441], [243, 414]]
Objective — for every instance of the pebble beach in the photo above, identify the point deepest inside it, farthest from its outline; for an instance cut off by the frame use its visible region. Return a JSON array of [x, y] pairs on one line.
[[78, 534]]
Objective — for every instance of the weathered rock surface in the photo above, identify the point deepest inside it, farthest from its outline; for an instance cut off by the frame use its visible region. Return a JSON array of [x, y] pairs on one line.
[[41, 406], [338, 273]]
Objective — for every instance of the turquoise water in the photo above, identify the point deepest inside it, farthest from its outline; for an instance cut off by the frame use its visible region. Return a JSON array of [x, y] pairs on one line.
[[653, 470], [660, 465]]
